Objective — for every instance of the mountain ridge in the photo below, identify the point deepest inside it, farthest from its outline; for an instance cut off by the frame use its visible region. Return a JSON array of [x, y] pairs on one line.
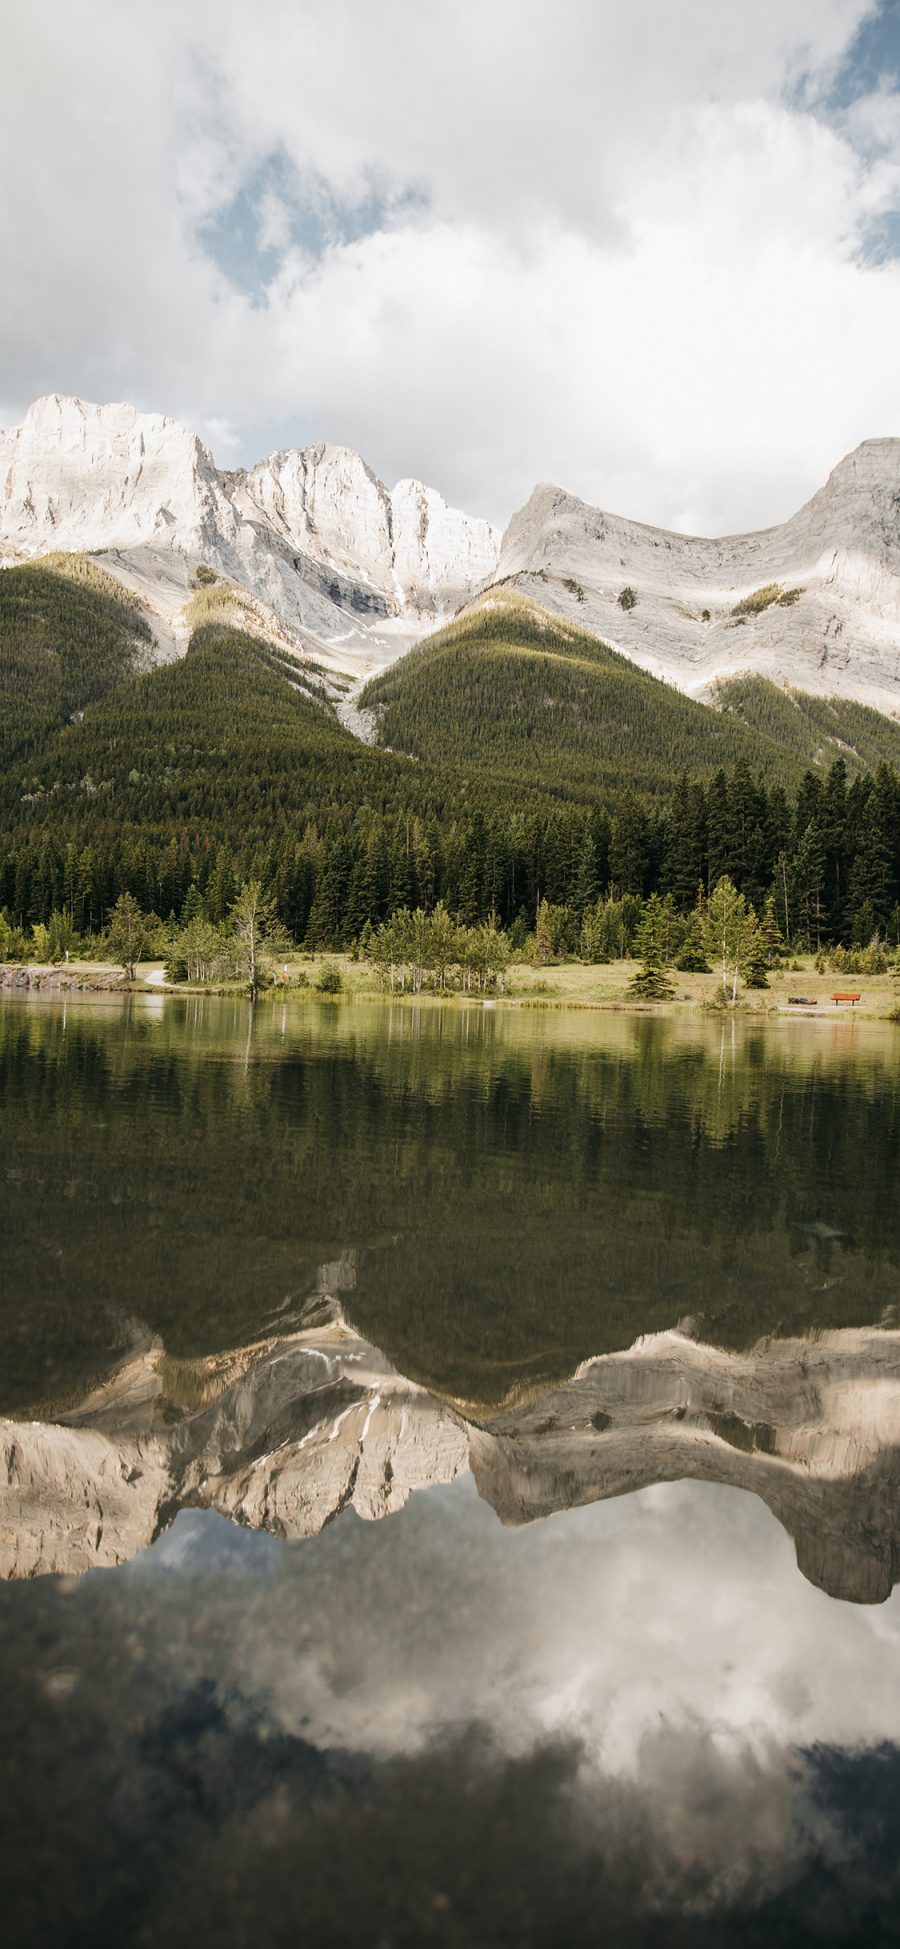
[[518, 690], [314, 534], [838, 558], [357, 573]]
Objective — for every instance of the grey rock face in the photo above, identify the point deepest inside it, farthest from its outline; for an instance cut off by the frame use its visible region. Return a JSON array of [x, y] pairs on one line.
[[341, 562], [841, 636], [811, 1427], [280, 1437], [356, 573]]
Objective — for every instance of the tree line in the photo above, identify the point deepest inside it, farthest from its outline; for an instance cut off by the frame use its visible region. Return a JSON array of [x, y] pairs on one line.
[[826, 856]]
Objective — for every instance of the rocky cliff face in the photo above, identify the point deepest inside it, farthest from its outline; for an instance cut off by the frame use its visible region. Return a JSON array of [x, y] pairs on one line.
[[285, 1435], [407, 547], [839, 636], [313, 534], [356, 573]]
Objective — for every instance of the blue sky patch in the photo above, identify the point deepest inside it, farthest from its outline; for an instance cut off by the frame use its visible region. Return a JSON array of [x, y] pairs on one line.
[[873, 59], [274, 212]]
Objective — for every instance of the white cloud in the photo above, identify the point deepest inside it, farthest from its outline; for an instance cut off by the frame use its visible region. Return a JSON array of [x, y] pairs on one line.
[[636, 263]]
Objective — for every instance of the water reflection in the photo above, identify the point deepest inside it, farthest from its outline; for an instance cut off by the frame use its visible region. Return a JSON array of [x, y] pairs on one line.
[[521, 1191], [430, 1729], [285, 1435], [546, 1295]]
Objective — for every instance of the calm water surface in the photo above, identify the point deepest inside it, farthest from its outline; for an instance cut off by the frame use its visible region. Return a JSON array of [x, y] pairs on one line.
[[450, 1476]]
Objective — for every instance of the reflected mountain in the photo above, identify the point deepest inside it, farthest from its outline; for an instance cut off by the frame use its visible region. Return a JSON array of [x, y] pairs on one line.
[[284, 1435]]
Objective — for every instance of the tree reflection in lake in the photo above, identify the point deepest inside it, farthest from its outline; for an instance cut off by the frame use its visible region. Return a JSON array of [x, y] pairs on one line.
[[520, 1191]]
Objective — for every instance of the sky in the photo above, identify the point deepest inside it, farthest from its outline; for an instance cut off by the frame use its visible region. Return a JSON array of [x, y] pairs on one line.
[[648, 252]]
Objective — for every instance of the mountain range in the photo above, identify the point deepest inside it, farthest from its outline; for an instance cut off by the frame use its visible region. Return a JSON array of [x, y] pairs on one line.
[[372, 701], [354, 574], [349, 570]]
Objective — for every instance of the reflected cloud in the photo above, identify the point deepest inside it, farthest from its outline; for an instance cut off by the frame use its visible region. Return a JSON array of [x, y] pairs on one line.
[[477, 1735]]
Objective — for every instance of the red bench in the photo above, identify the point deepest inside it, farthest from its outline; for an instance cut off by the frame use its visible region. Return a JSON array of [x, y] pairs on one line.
[[847, 998]]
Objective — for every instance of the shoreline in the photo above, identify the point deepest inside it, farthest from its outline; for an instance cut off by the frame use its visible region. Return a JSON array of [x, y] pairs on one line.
[[800, 993]]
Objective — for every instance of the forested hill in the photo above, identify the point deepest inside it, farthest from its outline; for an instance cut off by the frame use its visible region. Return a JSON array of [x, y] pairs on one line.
[[187, 779], [68, 634], [511, 688], [815, 729], [218, 765]]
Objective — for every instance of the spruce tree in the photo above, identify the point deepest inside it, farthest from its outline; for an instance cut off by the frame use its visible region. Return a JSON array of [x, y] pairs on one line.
[[651, 982], [773, 939], [543, 937], [692, 957], [755, 959]]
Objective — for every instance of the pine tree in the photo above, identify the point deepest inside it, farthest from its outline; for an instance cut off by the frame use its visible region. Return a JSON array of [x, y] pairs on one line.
[[586, 884], [361, 904], [718, 828], [629, 851], [833, 824], [808, 877], [873, 880], [543, 937], [773, 939]]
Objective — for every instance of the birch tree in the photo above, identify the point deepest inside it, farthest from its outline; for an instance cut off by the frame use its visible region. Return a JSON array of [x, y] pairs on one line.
[[128, 936], [257, 932], [728, 925]]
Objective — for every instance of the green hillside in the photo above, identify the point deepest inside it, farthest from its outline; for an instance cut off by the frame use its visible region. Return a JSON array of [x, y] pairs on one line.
[[816, 729], [510, 688], [218, 765], [549, 769], [221, 740], [513, 689], [68, 634]]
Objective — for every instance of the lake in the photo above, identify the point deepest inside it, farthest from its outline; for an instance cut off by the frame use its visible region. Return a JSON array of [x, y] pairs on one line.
[[449, 1475]]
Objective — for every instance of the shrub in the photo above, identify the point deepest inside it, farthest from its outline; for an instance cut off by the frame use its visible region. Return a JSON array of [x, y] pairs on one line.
[[763, 598], [574, 588], [330, 981], [627, 597], [204, 576]]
